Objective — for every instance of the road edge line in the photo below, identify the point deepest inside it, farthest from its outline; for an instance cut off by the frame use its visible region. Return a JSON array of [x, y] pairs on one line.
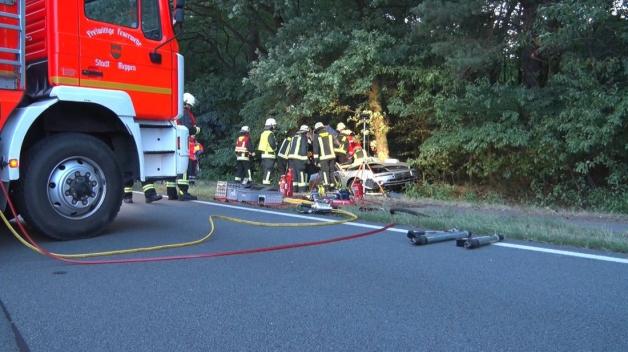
[[500, 244]]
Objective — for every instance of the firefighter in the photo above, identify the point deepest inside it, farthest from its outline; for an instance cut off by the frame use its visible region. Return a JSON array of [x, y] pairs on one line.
[[244, 151], [267, 147], [188, 120], [343, 144], [324, 144], [282, 154], [195, 149], [354, 150], [150, 194], [373, 147], [297, 158]]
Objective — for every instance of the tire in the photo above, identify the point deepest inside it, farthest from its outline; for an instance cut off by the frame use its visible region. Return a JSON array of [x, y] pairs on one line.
[[71, 186]]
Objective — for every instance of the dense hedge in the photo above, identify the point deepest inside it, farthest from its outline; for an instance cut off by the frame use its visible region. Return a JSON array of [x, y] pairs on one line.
[[529, 97]]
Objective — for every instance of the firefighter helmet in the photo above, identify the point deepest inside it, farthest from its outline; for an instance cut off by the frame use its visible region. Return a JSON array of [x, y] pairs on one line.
[[340, 126], [304, 128], [318, 125], [244, 129], [188, 99], [270, 122]]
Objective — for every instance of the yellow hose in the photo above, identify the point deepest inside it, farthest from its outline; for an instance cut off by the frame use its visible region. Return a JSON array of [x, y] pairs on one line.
[[297, 201], [349, 217]]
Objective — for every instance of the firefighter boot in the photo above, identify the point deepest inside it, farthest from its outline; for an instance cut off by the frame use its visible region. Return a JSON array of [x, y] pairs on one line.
[[152, 196], [187, 196], [128, 195], [171, 190]]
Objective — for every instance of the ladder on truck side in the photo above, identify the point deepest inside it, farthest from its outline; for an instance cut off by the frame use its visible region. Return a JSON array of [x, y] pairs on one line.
[[15, 78]]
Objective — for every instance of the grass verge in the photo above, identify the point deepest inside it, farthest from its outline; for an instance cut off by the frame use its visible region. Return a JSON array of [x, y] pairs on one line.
[[518, 226], [532, 228]]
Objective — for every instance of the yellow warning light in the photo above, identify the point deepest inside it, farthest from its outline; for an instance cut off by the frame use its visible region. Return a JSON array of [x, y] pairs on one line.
[[13, 163]]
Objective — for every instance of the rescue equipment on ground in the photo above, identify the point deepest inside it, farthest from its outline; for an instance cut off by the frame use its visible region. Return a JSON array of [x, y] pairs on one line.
[[261, 197], [285, 184], [316, 207], [472, 242], [342, 197], [419, 238], [357, 188]]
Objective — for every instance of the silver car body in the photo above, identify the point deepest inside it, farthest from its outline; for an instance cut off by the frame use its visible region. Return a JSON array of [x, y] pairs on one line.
[[388, 174]]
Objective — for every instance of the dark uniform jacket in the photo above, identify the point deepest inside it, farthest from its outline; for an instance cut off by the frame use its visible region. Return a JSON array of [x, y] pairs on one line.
[[284, 148], [298, 147], [324, 143]]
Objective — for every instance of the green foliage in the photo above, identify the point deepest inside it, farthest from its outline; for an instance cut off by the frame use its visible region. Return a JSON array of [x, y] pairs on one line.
[[427, 190], [526, 97]]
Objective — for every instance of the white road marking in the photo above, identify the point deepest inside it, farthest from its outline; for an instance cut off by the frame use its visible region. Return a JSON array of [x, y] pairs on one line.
[[393, 229], [560, 252], [500, 244]]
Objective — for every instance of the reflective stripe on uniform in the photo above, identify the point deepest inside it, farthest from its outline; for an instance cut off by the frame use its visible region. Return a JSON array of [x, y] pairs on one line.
[[170, 184], [241, 145], [341, 149], [295, 154], [128, 189], [302, 182], [283, 150], [325, 140], [148, 187], [266, 180]]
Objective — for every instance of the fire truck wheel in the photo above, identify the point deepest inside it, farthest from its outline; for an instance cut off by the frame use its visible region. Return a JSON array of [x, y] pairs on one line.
[[71, 186]]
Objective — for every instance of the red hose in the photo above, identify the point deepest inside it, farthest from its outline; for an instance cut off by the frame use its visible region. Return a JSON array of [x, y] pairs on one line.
[[187, 256]]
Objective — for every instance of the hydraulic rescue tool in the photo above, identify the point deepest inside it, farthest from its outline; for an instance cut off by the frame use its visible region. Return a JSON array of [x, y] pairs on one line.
[[477, 242], [420, 238]]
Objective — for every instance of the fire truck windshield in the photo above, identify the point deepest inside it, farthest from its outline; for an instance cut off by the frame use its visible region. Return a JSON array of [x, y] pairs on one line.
[[118, 12]]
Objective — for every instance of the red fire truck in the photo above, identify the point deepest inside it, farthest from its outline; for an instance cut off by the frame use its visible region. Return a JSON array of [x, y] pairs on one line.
[[90, 91]]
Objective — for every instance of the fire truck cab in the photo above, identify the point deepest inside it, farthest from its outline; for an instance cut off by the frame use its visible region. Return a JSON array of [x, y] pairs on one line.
[[90, 91]]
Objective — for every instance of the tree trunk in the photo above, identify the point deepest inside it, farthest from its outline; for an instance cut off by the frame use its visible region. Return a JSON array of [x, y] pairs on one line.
[[379, 126], [531, 65]]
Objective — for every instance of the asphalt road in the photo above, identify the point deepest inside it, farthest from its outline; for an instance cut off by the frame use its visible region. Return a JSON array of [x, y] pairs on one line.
[[372, 294]]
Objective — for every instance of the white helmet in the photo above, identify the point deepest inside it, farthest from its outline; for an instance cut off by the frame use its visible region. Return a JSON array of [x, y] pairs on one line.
[[270, 122], [340, 126], [304, 128], [189, 99], [318, 125], [244, 129]]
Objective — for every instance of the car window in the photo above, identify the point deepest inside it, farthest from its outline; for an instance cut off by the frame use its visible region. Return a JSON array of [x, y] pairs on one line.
[[378, 169]]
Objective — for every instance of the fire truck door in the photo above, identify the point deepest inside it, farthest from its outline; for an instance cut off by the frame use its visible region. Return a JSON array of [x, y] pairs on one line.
[[117, 38]]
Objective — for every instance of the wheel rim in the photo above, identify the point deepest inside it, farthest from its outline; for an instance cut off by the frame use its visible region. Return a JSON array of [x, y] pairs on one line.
[[76, 187]]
